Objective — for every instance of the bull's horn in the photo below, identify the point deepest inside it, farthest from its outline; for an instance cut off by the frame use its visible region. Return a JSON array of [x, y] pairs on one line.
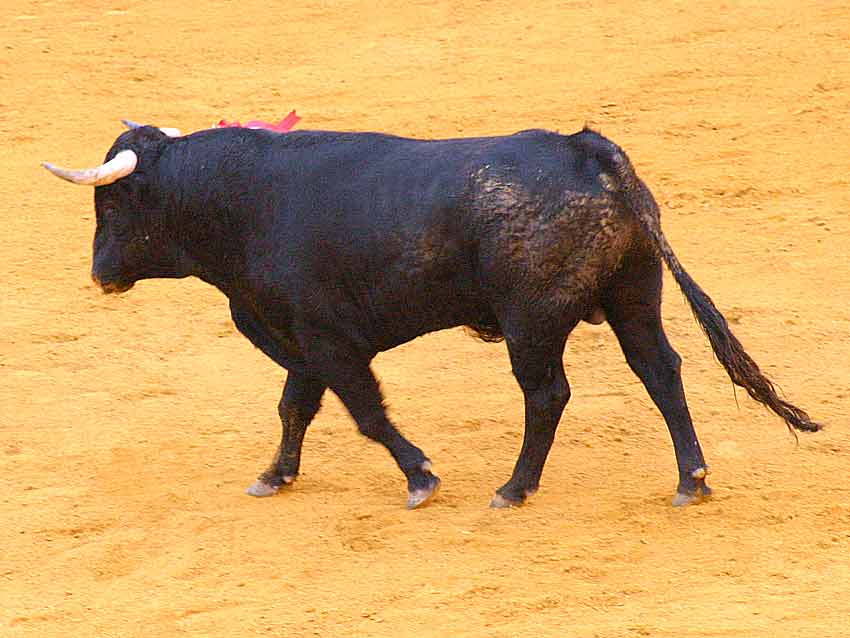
[[169, 131], [119, 166]]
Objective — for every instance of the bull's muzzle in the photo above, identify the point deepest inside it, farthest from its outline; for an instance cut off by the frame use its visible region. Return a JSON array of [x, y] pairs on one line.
[[111, 287]]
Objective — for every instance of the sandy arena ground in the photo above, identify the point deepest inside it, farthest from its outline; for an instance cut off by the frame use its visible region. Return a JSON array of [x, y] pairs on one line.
[[131, 425]]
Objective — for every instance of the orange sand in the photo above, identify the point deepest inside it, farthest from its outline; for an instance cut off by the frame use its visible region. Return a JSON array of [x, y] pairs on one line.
[[131, 425]]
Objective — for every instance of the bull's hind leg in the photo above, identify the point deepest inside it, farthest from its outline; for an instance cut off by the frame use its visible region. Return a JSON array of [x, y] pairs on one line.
[[538, 367], [302, 396], [347, 373], [633, 310]]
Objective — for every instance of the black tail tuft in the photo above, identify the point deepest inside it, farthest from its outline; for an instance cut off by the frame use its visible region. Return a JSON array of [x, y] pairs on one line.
[[738, 364]]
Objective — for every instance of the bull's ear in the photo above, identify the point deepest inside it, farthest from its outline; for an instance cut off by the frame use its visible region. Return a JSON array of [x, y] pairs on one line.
[[169, 131]]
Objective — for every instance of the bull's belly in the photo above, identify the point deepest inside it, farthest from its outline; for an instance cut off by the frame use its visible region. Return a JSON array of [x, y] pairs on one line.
[[414, 317], [379, 315], [374, 317]]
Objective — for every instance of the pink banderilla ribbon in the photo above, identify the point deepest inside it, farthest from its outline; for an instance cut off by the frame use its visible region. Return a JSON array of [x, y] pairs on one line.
[[283, 126]]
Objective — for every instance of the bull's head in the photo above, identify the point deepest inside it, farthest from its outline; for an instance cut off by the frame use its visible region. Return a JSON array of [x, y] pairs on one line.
[[131, 241]]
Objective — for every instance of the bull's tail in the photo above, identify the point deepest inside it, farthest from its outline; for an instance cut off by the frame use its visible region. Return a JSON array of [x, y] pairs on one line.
[[743, 371]]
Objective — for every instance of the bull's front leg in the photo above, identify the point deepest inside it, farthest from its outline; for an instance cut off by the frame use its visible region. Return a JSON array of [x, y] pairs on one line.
[[346, 371], [302, 396]]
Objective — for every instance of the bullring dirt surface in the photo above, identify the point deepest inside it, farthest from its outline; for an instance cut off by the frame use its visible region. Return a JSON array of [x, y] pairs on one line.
[[132, 424]]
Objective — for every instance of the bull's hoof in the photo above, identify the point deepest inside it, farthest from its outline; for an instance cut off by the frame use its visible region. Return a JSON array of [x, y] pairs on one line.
[[499, 502], [423, 495], [692, 489], [698, 495], [260, 488], [269, 484]]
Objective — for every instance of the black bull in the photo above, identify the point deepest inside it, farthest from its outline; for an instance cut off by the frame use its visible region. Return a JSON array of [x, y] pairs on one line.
[[332, 247]]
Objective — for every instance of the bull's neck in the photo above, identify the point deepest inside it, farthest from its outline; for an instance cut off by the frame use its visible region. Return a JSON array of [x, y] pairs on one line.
[[206, 226]]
